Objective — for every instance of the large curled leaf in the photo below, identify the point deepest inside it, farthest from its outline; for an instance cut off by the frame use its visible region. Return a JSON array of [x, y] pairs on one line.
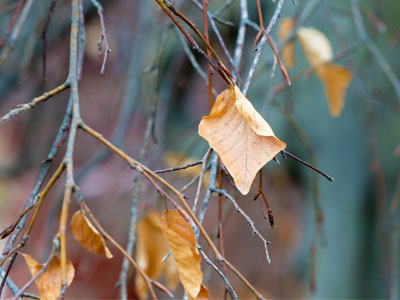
[[152, 246], [87, 235], [49, 283], [182, 242], [242, 138], [335, 78]]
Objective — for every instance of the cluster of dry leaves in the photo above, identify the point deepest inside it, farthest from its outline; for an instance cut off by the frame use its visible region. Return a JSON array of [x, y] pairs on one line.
[[319, 54], [156, 236], [244, 142]]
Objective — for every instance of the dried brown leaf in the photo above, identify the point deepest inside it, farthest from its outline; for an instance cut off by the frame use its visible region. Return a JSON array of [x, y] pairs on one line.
[[87, 235], [49, 283], [242, 138], [182, 241], [285, 29], [151, 247], [335, 78]]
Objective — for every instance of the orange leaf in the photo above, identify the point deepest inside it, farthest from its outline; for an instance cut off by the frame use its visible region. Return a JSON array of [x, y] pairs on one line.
[[151, 247], [203, 294], [87, 235], [182, 241], [242, 138], [335, 78], [285, 29], [49, 283]]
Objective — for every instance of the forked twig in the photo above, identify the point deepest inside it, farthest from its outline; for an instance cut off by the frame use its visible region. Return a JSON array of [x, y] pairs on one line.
[[248, 220], [103, 35]]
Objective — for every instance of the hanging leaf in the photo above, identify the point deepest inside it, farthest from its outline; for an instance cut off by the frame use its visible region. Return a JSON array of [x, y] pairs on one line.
[[49, 283], [285, 29], [335, 78], [87, 235], [151, 247], [182, 241], [242, 138]]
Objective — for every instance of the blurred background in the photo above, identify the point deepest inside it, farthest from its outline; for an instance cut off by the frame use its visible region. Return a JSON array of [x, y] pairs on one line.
[[330, 240]]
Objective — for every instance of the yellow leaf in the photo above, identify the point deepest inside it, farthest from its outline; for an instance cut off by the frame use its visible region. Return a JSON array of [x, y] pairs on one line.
[[335, 78], [285, 29], [49, 283], [182, 241], [316, 46], [242, 138], [87, 235], [151, 247]]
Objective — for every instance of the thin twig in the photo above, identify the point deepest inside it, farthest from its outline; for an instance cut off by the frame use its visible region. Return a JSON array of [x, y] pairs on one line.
[[11, 24], [211, 19], [285, 73], [207, 38], [214, 16], [76, 120], [103, 36], [6, 232], [221, 69], [193, 60], [224, 278], [173, 169], [248, 220], [244, 15], [211, 185], [24, 107], [373, 49], [137, 181], [44, 35], [284, 153], [260, 46], [9, 46], [200, 183]]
